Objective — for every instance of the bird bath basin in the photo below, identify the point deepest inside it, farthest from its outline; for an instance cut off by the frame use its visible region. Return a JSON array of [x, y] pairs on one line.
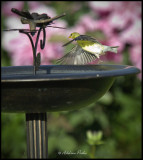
[[57, 87]]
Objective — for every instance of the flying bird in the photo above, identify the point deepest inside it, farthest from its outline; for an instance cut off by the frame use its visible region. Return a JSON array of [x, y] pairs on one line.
[[85, 51]]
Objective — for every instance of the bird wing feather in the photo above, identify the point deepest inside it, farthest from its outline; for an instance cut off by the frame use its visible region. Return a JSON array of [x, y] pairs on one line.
[[68, 43], [78, 56], [83, 38]]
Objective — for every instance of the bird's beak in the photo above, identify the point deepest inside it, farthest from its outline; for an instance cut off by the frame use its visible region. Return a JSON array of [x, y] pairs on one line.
[[69, 36]]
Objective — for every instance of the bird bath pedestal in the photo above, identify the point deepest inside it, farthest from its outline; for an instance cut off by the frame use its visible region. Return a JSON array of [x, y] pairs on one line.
[[54, 88]]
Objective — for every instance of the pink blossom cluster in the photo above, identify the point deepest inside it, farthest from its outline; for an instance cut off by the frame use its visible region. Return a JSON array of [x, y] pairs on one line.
[[121, 24]]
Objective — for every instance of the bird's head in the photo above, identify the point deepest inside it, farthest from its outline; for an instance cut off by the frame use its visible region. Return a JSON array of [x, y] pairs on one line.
[[74, 35]]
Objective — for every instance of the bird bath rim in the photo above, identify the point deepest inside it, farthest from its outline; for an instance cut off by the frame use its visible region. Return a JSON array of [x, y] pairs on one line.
[[65, 72]]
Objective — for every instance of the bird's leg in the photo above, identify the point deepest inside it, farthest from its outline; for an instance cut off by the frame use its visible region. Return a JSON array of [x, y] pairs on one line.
[[97, 55]]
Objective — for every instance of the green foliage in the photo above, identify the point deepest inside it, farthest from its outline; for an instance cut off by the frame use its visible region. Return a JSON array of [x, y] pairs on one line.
[[13, 136], [70, 8], [5, 59]]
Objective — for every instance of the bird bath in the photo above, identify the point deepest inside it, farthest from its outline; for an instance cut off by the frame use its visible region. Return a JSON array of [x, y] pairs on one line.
[[57, 87], [54, 88], [35, 90]]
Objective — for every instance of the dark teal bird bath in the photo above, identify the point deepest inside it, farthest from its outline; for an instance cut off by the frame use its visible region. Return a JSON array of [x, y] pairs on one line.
[[57, 87], [54, 88]]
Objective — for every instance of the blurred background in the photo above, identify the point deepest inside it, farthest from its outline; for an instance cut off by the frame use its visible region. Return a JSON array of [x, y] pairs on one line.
[[117, 115]]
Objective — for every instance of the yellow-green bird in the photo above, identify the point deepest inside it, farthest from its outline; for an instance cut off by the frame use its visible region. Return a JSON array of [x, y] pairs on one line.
[[87, 50]]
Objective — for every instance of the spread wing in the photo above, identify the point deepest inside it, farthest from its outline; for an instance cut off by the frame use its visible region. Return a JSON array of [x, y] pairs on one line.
[[83, 38], [77, 56]]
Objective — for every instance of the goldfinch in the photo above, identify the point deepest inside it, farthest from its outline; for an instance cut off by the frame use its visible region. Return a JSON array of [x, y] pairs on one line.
[[87, 50]]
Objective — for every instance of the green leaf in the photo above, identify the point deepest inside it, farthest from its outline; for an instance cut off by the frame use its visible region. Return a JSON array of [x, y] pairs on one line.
[[66, 143], [52, 143]]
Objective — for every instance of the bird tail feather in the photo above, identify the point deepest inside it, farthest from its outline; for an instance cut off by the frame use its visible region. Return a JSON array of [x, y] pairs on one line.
[[114, 49]]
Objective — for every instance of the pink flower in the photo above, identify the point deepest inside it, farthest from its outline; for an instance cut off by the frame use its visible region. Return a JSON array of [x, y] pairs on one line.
[[101, 8], [87, 22], [132, 34], [128, 8], [41, 8], [104, 26], [121, 23], [36, 4], [117, 20], [6, 7]]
